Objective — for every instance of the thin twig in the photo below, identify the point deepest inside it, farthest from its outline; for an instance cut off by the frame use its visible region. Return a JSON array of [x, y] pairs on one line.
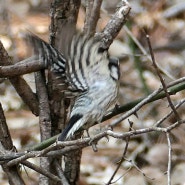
[[81, 143], [161, 79], [174, 10], [138, 66], [123, 156], [169, 114], [139, 103], [122, 175], [138, 169], [154, 97], [40, 170], [136, 41], [31, 154], [61, 173], [169, 158]]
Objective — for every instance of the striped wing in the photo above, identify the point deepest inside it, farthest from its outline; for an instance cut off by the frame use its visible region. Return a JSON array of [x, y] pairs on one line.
[[86, 62], [51, 57], [48, 54]]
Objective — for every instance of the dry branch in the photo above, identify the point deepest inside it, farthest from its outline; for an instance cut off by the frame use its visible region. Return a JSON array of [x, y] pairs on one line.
[[40, 170], [114, 25], [61, 173], [24, 67], [152, 97], [92, 16], [20, 84], [169, 114], [6, 146], [122, 158], [169, 158], [44, 118], [81, 143], [162, 80], [88, 10], [144, 52]]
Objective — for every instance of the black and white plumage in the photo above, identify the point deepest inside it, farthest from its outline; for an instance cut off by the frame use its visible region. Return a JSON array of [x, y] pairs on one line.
[[91, 77]]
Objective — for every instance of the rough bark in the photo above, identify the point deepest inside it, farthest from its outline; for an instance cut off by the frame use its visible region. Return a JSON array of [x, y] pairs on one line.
[[6, 146], [20, 84]]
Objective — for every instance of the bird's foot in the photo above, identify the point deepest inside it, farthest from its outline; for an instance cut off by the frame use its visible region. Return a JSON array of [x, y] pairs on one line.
[[92, 143]]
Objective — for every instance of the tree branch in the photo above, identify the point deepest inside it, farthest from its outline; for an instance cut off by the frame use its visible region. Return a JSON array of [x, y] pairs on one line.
[[122, 158], [169, 158], [92, 16], [41, 171], [61, 173], [44, 119], [115, 24], [6, 145], [88, 10], [20, 84], [81, 143], [26, 66], [137, 104], [161, 79], [143, 50]]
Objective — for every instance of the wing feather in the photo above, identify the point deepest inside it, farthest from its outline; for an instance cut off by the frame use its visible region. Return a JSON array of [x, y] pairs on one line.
[[84, 64], [85, 61]]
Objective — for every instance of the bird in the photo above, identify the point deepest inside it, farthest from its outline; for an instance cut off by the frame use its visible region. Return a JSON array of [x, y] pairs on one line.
[[90, 77]]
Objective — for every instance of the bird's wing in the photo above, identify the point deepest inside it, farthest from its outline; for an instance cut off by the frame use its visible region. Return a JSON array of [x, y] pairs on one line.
[[47, 54], [50, 57], [85, 63]]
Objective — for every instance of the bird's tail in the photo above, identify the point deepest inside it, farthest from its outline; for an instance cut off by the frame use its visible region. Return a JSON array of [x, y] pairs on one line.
[[72, 126]]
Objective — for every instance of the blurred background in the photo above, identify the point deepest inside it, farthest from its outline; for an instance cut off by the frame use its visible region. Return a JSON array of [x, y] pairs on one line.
[[165, 22]]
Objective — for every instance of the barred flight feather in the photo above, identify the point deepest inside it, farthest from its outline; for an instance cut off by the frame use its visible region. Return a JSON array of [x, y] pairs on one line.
[[48, 54]]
